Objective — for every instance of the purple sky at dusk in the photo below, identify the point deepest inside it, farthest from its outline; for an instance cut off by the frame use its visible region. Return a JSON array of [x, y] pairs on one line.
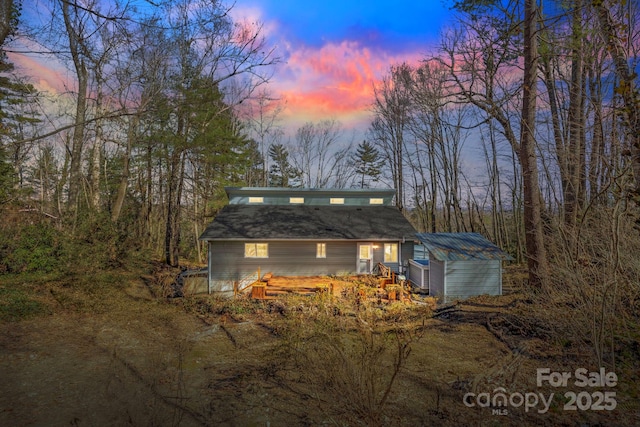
[[333, 51]]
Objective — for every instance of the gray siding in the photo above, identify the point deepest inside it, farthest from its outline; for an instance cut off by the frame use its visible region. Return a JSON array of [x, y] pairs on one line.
[[437, 278], [286, 258], [406, 250], [469, 278]]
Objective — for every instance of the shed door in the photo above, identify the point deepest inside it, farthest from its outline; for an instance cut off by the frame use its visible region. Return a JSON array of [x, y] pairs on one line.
[[365, 257]]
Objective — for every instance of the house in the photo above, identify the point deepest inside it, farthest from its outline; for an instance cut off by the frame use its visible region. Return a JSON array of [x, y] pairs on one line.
[[459, 265], [304, 232]]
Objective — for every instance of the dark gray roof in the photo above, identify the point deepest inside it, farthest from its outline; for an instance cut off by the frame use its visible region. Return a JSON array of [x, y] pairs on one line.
[[461, 246], [304, 222]]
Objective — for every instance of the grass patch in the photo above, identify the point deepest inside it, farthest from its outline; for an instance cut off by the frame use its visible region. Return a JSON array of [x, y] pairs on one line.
[[31, 294], [93, 292], [26, 295], [18, 304]]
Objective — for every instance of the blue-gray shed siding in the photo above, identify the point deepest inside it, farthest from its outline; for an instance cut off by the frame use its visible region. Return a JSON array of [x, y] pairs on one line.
[[465, 279], [437, 278], [451, 280]]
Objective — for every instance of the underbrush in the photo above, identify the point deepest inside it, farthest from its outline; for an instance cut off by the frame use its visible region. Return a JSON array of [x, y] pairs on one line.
[[592, 299], [588, 311], [44, 268], [235, 308], [32, 294], [341, 354], [345, 355]]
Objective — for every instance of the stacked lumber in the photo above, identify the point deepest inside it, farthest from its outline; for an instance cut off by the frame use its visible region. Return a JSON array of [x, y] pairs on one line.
[[274, 287]]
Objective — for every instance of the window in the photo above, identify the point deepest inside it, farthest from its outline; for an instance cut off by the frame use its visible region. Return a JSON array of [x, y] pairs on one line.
[[376, 201], [337, 200], [390, 252], [256, 250], [296, 200], [256, 199], [321, 250]]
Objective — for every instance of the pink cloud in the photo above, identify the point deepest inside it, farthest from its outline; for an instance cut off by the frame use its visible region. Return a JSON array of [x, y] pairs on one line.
[[333, 81], [41, 73]]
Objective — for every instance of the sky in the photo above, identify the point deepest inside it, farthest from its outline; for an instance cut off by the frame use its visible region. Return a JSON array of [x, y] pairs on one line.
[[333, 51]]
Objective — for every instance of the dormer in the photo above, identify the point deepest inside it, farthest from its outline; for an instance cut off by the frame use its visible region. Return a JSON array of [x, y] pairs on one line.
[[309, 196]]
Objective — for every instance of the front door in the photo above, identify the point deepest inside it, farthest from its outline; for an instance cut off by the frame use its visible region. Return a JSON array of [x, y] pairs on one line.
[[365, 258]]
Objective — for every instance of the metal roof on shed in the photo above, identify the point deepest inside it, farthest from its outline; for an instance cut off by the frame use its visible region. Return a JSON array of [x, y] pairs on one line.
[[461, 246]]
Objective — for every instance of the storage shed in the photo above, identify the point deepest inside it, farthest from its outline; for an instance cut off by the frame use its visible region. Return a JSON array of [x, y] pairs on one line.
[[460, 265]]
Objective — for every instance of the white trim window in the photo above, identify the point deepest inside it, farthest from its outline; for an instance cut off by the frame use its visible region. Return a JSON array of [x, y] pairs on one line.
[[336, 200], [296, 200], [321, 250], [256, 250], [256, 199], [390, 252]]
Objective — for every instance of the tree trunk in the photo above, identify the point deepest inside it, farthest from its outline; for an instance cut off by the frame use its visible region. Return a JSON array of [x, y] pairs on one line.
[[124, 179], [572, 188], [94, 170], [554, 110], [597, 145], [173, 210], [96, 153], [62, 182], [75, 169], [534, 232]]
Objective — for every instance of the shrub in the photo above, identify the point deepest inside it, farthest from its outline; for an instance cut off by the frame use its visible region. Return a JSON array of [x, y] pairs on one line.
[[32, 248], [102, 244]]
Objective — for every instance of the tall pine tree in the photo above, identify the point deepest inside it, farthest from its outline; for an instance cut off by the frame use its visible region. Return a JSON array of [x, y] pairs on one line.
[[368, 163], [282, 173]]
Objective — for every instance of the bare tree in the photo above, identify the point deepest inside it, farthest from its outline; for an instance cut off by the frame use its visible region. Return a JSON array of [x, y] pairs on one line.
[[142, 76], [388, 130], [627, 86], [262, 113], [75, 20], [313, 152], [477, 59]]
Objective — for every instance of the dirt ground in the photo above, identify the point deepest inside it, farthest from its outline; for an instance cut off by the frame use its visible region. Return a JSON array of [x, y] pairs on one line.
[[146, 361]]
